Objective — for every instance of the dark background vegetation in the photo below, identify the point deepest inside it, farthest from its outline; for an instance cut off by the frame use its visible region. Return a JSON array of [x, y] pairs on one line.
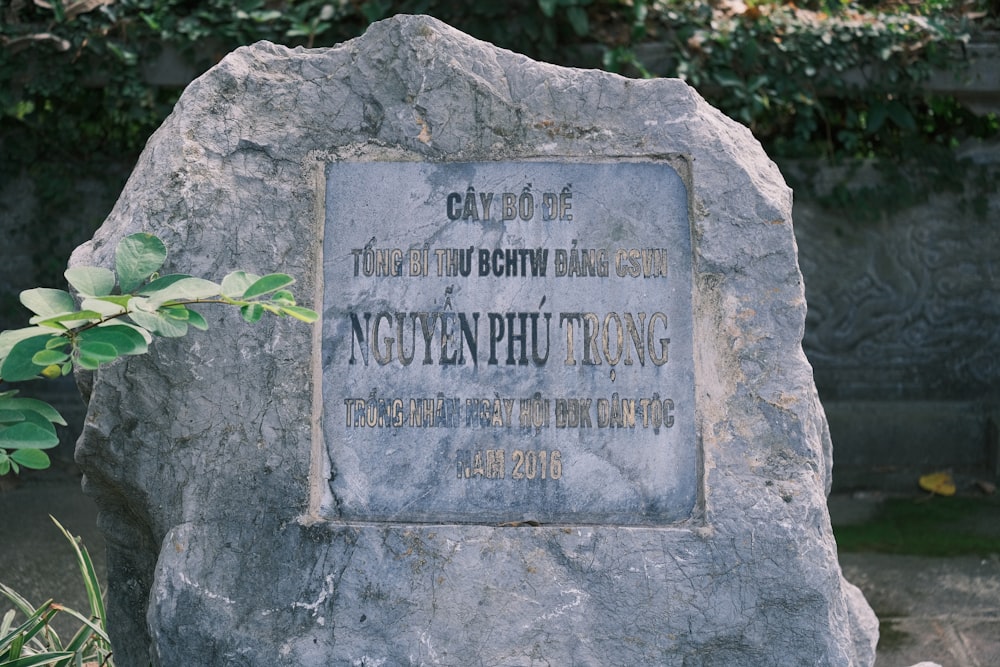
[[83, 83], [817, 77]]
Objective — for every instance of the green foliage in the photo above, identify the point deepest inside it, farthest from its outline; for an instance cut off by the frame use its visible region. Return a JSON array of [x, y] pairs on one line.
[[828, 76], [844, 82], [918, 172], [73, 76], [33, 641], [112, 323]]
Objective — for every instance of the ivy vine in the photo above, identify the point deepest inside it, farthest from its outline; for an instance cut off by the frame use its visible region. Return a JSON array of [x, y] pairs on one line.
[[833, 77], [840, 79]]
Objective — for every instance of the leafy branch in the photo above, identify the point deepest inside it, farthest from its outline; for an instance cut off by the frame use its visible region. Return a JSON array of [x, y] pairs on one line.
[[109, 324]]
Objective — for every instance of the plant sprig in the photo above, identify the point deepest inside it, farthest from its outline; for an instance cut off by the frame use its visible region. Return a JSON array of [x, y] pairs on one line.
[[110, 323], [35, 642]]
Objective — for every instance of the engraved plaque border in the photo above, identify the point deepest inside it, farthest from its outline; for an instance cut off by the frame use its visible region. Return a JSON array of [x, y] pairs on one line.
[[485, 506]]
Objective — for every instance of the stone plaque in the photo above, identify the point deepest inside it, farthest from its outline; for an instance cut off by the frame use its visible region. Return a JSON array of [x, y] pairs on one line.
[[472, 489], [508, 341]]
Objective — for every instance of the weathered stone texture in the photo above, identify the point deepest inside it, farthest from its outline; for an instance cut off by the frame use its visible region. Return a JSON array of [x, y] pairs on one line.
[[199, 454]]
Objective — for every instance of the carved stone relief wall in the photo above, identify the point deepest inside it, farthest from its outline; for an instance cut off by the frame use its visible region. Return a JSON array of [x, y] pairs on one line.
[[905, 307]]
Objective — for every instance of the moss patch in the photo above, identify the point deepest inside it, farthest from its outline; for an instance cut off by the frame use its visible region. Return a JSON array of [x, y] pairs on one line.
[[928, 527]]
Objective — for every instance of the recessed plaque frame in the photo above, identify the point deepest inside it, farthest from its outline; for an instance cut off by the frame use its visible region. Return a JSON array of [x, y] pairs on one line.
[[508, 342]]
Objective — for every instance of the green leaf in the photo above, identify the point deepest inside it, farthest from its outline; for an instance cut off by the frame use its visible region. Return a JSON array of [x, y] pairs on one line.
[[876, 117], [39, 421], [302, 314], [41, 659], [107, 309], [35, 459], [34, 405], [27, 435], [86, 362], [120, 300], [237, 282], [18, 365], [902, 117], [578, 19], [252, 312], [728, 79], [162, 282], [137, 258], [267, 284], [10, 338], [48, 357], [158, 324], [100, 351], [90, 631], [146, 335], [46, 302], [57, 343], [122, 337], [284, 297], [91, 582], [263, 16], [187, 289], [179, 313], [548, 7], [196, 320], [4, 469], [21, 640], [10, 416], [91, 280], [37, 620], [68, 320]]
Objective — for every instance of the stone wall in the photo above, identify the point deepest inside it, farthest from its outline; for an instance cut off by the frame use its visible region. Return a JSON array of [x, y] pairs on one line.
[[903, 330]]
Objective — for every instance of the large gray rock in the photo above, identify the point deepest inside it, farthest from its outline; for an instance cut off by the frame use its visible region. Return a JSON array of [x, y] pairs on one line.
[[212, 457]]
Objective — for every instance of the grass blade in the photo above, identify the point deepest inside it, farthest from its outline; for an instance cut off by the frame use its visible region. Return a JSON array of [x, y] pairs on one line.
[[40, 659], [35, 623], [90, 579]]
